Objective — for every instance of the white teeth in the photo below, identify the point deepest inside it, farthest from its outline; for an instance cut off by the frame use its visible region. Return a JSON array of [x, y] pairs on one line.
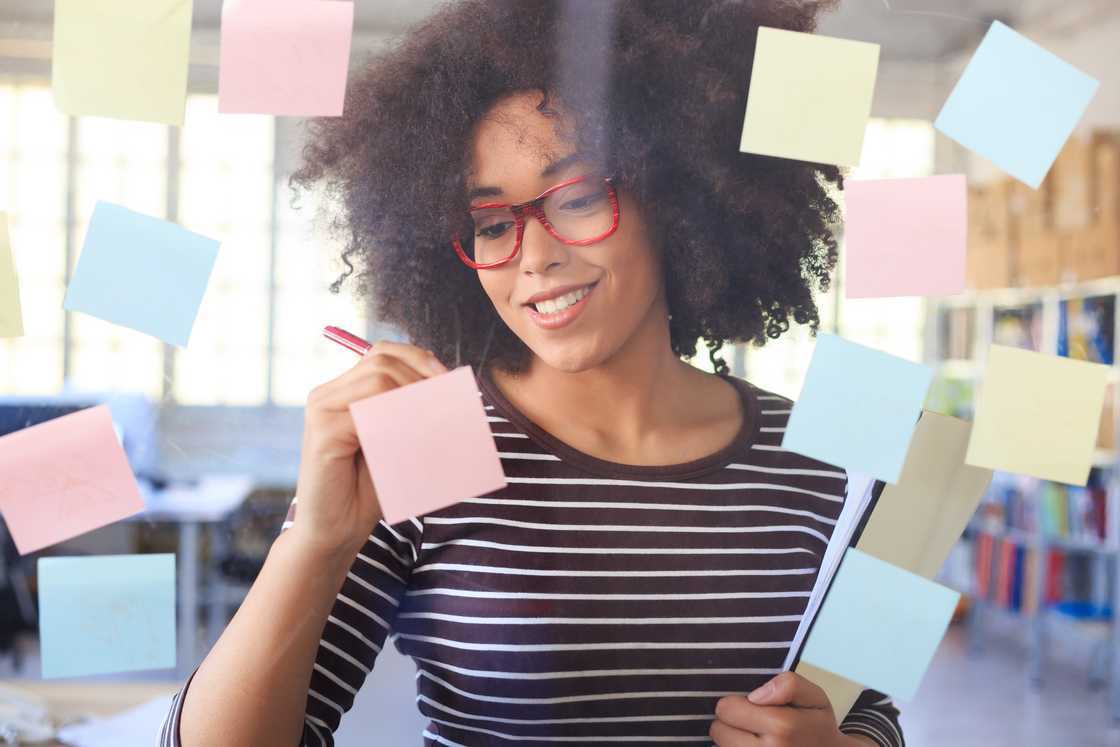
[[553, 305]]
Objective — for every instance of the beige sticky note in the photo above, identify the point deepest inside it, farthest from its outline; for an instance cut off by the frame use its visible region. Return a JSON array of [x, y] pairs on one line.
[[11, 318], [122, 58], [917, 520], [842, 692], [1037, 415], [810, 97]]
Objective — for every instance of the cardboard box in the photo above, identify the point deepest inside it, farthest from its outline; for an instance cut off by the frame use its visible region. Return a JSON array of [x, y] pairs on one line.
[[1030, 208], [1105, 194], [991, 235], [1094, 251], [1071, 185], [1040, 260], [1106, 435]]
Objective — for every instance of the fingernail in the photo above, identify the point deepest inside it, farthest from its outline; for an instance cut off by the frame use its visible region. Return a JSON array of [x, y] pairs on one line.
[[435, 366], [761, 694]]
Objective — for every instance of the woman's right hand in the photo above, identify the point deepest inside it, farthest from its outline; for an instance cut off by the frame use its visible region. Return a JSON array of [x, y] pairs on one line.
[[337, 507]]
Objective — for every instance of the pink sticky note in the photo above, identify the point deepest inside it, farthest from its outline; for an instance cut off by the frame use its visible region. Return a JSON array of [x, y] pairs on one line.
[[428, 445], [65, 477], [285, 57], [905, 237]]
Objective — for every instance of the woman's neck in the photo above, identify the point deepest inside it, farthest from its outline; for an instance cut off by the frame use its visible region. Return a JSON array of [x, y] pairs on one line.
[[634, 408]]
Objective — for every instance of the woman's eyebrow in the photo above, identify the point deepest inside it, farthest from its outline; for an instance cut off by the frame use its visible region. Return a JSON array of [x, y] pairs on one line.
[[549, 170]]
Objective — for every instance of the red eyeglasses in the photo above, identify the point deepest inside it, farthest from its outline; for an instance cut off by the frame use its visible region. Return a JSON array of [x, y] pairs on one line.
[[577, 212]]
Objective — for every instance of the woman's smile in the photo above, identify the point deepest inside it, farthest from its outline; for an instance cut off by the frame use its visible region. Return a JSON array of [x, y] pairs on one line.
[[551, 311]]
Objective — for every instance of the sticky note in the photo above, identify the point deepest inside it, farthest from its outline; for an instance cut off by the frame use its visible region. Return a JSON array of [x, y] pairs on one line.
[[286, 58], [1037, 415], [916, 521], [65, 477], [141, 272], [879, 625], [106, 613], [1016, 104], [11, 316], [405, 431], [905, 237], [809, 97], [126, 59], [858, 408]]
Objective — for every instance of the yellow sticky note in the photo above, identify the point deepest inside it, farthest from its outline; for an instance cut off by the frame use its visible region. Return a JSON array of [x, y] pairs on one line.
[[1037, 415], [122, 58], [11, 318], [809, 97]]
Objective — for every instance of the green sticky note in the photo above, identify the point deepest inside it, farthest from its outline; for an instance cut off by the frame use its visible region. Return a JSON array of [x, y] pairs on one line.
[[11, 316], [810, 97], [126, 59], [879, 625], [107, 613]]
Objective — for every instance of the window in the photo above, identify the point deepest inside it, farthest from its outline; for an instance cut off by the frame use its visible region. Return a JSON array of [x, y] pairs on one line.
[[33, 151], [257, 335], [892, 148]]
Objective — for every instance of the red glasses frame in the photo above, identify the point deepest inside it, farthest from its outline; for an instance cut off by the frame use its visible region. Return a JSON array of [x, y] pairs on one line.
[[534, 208]]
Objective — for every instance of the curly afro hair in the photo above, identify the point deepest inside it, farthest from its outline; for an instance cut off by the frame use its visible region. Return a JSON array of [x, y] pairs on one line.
[[656, 91]]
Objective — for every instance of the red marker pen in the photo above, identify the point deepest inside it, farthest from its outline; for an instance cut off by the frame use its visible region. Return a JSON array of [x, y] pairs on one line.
[[346, 340]]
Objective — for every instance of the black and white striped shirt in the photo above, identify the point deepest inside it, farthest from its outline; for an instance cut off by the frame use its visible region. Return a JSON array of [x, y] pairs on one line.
[[590, 602]]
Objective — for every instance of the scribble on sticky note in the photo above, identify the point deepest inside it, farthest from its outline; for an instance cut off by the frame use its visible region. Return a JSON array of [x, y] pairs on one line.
[[905, 237], [288, 58], [879, 625], [810, 97], [1016, 104], [63, 478], [1037, 414], [403, 432], [142, 273], [858, 408], [109, 613], [11, 315], [126, 59]]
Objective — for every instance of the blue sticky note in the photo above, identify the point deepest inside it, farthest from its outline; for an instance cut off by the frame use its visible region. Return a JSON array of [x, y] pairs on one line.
[[879, 625], [1016, 104], [141, 272], [858, 408], [106, 613]]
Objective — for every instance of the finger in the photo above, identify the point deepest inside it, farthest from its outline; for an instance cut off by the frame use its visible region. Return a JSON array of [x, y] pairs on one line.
[[790, 688], [422, 360], [379, 374], [728, 736], [739, 713]]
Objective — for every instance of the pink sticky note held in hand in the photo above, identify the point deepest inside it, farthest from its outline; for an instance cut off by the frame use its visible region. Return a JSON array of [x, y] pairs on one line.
[[288, 58], [428, 445], [63, 478], [905, 237]]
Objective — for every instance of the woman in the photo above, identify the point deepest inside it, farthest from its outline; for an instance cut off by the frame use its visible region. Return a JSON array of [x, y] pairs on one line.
[[552, 193]]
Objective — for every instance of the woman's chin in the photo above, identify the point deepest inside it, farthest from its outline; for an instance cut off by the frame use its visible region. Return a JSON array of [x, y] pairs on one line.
[[571, 357]]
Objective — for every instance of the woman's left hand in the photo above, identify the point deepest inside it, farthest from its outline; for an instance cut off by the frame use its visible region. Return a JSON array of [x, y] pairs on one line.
[[788, 711]]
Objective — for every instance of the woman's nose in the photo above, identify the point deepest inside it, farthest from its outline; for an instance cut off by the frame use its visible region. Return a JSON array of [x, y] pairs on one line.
[[540, 250]]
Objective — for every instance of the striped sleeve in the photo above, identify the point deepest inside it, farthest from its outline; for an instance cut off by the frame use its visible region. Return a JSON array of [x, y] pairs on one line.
[[874, 716], [355, 631]]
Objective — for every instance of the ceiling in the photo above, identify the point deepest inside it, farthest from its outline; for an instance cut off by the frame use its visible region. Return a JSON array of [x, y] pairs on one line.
[[918, 30]]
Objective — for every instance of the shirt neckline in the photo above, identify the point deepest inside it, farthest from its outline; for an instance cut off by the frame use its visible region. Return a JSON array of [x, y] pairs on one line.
[[748, 432]]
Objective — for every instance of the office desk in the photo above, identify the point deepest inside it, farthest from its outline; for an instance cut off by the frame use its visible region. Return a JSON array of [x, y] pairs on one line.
[[67, 701], [194, 508]]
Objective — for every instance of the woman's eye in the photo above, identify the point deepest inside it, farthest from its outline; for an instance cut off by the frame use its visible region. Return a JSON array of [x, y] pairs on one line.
[[582, 203], [492, 231]]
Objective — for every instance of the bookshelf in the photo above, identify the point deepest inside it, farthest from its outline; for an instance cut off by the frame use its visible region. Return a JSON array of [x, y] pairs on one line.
[[1044, 554]]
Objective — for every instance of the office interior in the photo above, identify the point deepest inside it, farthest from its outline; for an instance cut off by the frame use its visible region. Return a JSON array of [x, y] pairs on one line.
[[212, 431]]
